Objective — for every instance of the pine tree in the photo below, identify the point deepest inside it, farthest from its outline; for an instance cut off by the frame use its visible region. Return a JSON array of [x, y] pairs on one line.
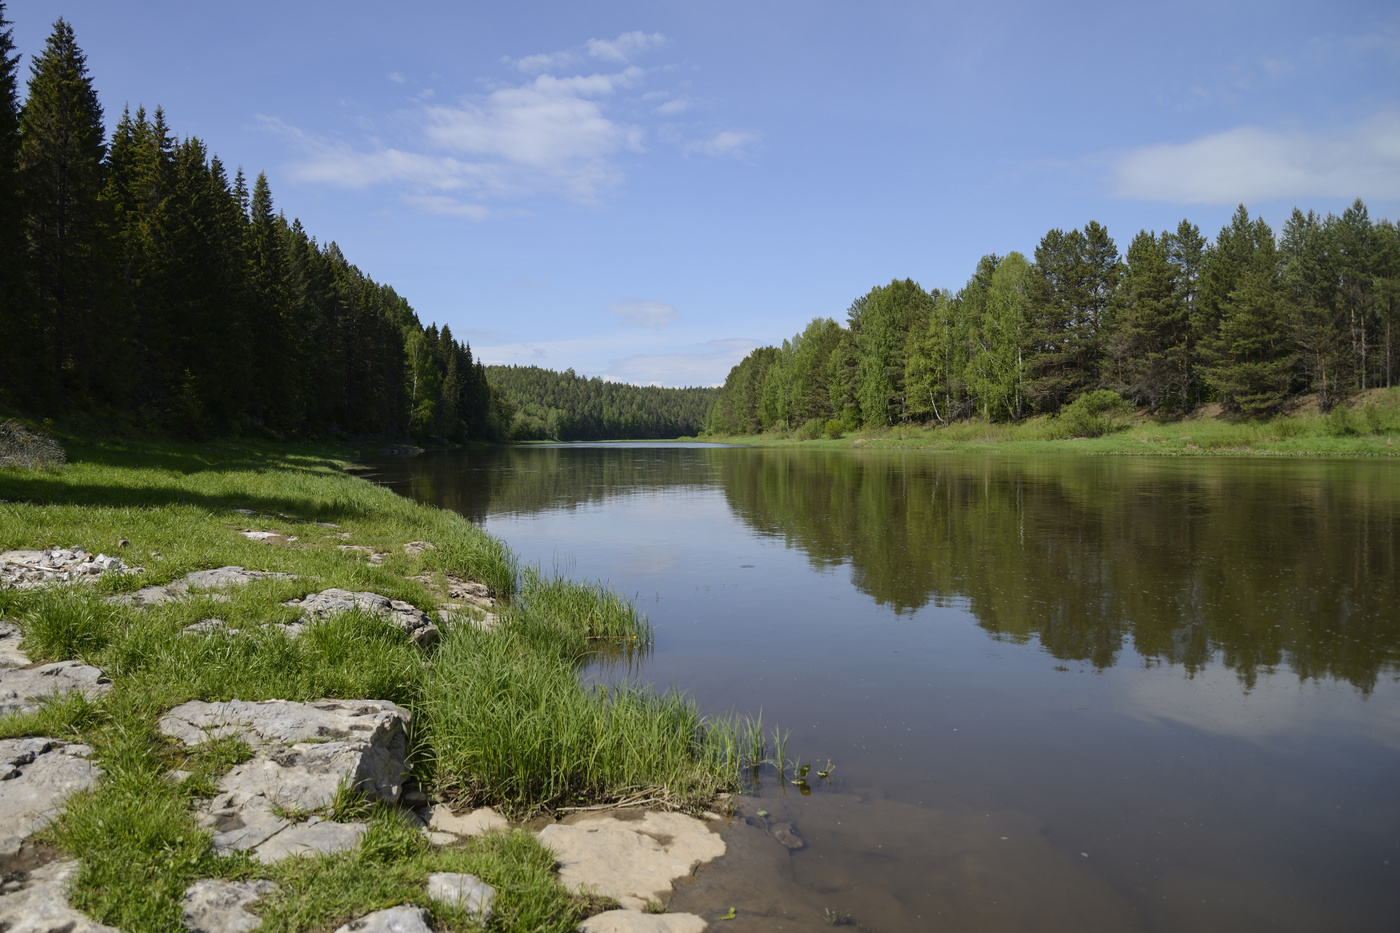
[[18, 350], [1186, 250], [273, 401], [1309, 287], [1148, 339], [61, 177], [1250, 359]]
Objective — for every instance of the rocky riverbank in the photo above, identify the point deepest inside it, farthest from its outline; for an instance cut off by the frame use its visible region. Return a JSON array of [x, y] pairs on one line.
[[265, 793]]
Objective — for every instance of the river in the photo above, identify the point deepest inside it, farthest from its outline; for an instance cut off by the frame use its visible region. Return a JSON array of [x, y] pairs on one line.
[[1059, 692]]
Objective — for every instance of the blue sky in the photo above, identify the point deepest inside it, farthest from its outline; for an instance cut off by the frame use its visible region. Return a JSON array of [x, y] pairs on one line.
[[647, 191]]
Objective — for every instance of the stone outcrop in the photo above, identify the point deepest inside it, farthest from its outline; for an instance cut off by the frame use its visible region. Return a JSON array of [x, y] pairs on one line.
[[268, 537], [24, 689], [37, 902], [10, 653], [214, 906], [631, 857], [462, 890], [220, 578], [402, 919], [24, 569], [36, 777], [635, 921], [477, 822], [303, 754], [414, 622]]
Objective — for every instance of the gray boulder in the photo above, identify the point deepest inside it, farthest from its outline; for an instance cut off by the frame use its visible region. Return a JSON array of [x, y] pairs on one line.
[[23, 690], [303, 754], [25, 569], [38, 903], [214, 906], [36, 777], [402, 919], [220, 578], [414, 622], [10, 653], [462, 890]]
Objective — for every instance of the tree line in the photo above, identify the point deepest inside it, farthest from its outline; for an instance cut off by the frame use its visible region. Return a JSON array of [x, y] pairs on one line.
[[548, 405], [1250, 321], [137, 278]]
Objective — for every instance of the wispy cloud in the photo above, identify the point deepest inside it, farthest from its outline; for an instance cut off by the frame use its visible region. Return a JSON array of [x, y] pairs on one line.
[[556, 133], [707, 367], [725, 143], [645, 313], [1252, 164]]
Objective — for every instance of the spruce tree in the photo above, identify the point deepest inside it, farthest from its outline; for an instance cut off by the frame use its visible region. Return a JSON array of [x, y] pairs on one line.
[[61, 177], [1250, 358], [17, 350], [1148, 339]]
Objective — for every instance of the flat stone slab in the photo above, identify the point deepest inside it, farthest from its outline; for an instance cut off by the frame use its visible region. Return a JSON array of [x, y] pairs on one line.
[[313, 837], [10, 653], [402, 919], [40, 904], [303, 753], [635, 921], [631, 857], [25, 569], [23, 690], [462, 890], [414, 621], [220, 578], [36, 777], [214, 906], [268, 537], [477, 822]]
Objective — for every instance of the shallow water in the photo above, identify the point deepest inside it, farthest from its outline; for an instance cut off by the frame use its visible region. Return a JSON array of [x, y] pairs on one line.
[[1060, 692]]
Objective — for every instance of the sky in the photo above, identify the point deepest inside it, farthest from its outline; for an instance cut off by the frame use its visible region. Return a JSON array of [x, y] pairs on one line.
[[648, 191]]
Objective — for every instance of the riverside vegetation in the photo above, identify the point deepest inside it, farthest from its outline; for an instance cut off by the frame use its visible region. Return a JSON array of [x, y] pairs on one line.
[[500, 715]]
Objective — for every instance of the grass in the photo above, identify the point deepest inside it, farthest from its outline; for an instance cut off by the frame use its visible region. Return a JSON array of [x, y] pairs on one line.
[[503, 716], [1365, 426]]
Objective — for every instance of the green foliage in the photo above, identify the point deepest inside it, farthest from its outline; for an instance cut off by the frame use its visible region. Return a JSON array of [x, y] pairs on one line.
[[1094, 414], [546, 405], [135, 279]]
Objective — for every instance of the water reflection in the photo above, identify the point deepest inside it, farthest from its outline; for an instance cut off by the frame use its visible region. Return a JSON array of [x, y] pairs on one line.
[[1259, 565]]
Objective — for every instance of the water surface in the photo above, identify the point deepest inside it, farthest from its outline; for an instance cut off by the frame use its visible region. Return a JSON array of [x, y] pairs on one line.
[[1061, 693]]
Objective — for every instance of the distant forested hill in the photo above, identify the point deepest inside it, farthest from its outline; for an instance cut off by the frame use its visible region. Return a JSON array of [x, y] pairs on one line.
[[138, 280], [546, 405]]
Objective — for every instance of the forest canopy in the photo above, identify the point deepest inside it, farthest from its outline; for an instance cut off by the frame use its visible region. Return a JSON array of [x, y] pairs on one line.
[[138, 279], [1251, 321]]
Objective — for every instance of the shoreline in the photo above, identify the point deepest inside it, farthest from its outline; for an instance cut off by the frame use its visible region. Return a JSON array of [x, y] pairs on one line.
[[268, 573]]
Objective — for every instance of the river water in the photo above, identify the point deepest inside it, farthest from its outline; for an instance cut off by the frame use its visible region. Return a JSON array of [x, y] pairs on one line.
[[1060, 693]]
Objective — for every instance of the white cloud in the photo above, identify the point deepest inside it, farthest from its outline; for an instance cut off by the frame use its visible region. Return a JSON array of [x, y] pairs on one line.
[[1249, 164], [672, 107], [645, 313], [395, 77], [624, 46], [725, 143], [702, 368]]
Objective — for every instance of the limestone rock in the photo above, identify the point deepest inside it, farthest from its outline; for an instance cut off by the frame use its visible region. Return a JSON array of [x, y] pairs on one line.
[[476, 823], [268, 537], [375, 557], [10, 653], [402, 919], [635, 921], [418, 547], [22, 690], [406, 616], [302, 754], [213, 906], [24, 569], [466, 891], [208, 627], [36, 777], [311, 838], [440, 839], [40, 904], [632, 858], [220, 578]]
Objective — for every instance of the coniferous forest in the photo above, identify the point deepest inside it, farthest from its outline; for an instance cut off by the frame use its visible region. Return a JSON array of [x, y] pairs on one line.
[[1250, 321], [547, 405], [138, 279]]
